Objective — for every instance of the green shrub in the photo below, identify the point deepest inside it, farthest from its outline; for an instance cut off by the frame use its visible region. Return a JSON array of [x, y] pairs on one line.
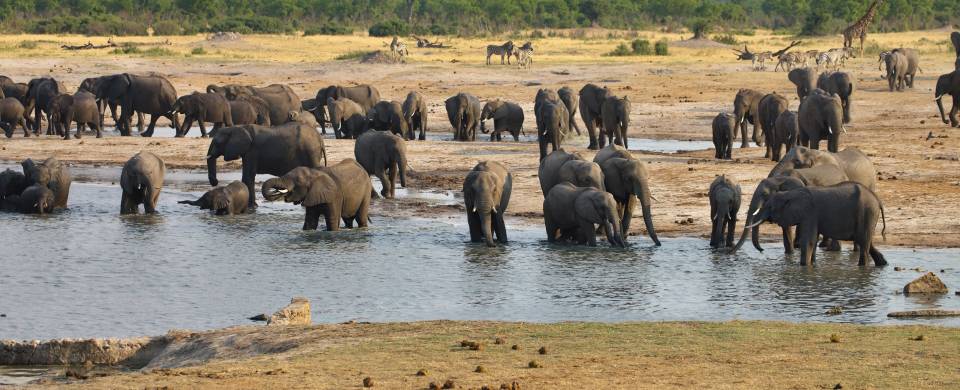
[[158, 52], [699, 27], [641, 47], [620, 51], [167, 27], [198, 51], [27, 45], [660, 48], [389, 28], [327, 30], [727, 39]]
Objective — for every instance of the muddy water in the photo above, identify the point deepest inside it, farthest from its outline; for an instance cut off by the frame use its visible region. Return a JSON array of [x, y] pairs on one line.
[[88, 272]]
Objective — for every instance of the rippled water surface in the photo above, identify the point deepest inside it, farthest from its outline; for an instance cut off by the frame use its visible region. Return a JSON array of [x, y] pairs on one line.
[[88, 272]]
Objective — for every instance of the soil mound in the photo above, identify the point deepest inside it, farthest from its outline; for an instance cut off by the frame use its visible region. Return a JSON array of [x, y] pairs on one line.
[[382, 57]]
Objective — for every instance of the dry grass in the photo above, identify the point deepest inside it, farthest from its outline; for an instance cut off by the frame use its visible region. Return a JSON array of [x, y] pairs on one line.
[[753, 355]]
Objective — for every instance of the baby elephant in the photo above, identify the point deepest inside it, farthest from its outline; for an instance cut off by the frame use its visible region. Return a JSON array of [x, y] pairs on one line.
[[11, 116], [785, 130], [507, 117], [12, 183], [36, 199], [723, 135], [338, 192], [573, 212], [228, 200], [383, 155], [846, 211], [486, 194], [203, 107], [724, 205], [141, 181], [80, 108]]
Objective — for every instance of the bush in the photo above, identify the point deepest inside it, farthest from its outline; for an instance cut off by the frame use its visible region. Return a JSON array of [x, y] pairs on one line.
[[327, 30], [389, 28], [641, 47], [158, 52], [620, 51], [660, 48], [252, 24], [167, 27], [27, 45], [728, 39], [699, 27], [127, 49], [198, 51], [537, 34]]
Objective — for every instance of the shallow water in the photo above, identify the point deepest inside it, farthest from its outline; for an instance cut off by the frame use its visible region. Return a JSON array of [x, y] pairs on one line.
[[88, 272]]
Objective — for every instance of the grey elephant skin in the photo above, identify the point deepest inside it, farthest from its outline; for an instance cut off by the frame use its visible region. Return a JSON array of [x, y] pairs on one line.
[[804, 79], [50, 173], [615, 114], [486, 195], [913, 64], [571, 212], [347, 118], [35, 199], [339, 192], [821, 118], [280, 98], [551, 118], [784, 135], [949, 84], [463, 111], [626, 178], [149, 94], [746, 110], [771, 106], [365, 95], [591, 102], [80, 108], [841, 84], [388, 116], [245, 113], [270, 150], [92, 85], [11, 116], [383, 155], [40, 92], [507, 117], [415, 113], [724, 198], [560, 166], [203, 107], [141, 181], [11, 183], [896, 64], [226, 200], [571, 100], [846, 211], [724, 133]]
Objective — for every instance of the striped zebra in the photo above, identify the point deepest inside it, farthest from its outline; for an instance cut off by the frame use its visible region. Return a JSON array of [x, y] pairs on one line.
[[524, 57], [504, 50], [788, 60], [761, 59], [399, 48]]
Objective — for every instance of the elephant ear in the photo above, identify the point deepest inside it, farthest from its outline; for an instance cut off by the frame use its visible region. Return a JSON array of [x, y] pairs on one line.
[[239, 142], [505, 193], [322, 192], [796, 204], [451, 105], [28, 168], [587, 207]]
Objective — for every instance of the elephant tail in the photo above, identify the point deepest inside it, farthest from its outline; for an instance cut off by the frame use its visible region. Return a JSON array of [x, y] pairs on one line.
[[402, 167], [883, 217]]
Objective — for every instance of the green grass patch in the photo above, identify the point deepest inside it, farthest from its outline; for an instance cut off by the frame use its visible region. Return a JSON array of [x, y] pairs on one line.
[[198, 51]]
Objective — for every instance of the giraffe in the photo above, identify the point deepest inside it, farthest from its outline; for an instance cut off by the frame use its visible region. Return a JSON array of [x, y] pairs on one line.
[[859, 28]]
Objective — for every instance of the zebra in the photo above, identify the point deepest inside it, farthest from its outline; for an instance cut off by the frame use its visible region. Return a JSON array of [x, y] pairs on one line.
[[398, 48], [810, 55], [504, 50], [788, 61], [524, 57], [762, 58], [526, 46]]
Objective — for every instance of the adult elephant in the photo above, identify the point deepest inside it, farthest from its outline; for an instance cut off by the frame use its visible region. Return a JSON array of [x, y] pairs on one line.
[[203, 107], [896, 64], [854, 164], [149, 94], [770, 107], [549, 171], [551, 126], [724, 198], [507, 117], [804, 79], [615, 113], [12, 114], [626, 178], [339, 192], [141, 180], [92, 85], [40, 93], [230, 199], [913, 64], [270, 150], [347, 118], [841, 84], [591, 103], [949, 84], [486, 195], [571, 100], [50, 173], [365, 95], [955, 38], [463, 111], [415, 113], [388, 116], [280, 98], [821, 118], [746, 108], [383, 155], [571, 212]]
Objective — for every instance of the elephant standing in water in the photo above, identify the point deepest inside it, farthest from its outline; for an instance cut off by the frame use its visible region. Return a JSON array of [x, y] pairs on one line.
[[366, 96], [415, 113], [50, 173], [486, 195], [150, 94], [625, 177], [227, 200], [571, 212], [339, 192], [724, 197], [347, 118], [560, 166], [383, 155], [35, 199], [507, 117], [141, 181], [388, 116]]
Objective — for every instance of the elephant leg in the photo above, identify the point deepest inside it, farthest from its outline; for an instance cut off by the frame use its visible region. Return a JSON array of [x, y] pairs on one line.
[[187, 124], [99, 127], [347, 222], [627, 215], [757, 139], [153, 123], [363, 214], [953, 111], [591, 130], [473, 220], [203, 129], [249, 174], [127, 204], [150, 198], [393, 172], [834, 142], [500, 228], [788, 242], [384, 181], [878, 259], [731, 226], [587, 233], [140, 123], [81, 127], [715, 232], [807, 236], [311, 219], [332, 216], [550, 226]]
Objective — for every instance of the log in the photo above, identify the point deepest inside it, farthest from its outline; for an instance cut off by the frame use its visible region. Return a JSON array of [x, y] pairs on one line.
[[924, 313]]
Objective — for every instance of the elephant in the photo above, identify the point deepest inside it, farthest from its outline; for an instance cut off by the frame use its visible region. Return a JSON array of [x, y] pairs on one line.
[[746, 108], [615, 113], [955, 38], [315, 107], [92, 85], [270, 150], [804, 79], [549, 171], [261, 110], [784, 134], [839, 83], [591, 103], [347, 118], [141, 181], [12, 183], [949, 84], [821, 118], [415, 114], [227, 200], [573, 212], [383, 155], [364, 95], [486, 195], [913, 64], [40, 92], [149, 94], [845, 211], [770, 108], [388, 116], [724, 133], [52, 174], [551, 117], [724, 197], [203, 107], [35, 199], [572, 101], [339, 192], [80, 108], [854, 164], [896, 70], [242, 113], [463, 111], [507, 117], [626, 178], [11, 116], [280, 98]]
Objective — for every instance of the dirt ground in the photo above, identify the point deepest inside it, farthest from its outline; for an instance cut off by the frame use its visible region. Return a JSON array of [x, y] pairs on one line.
[[673, 97]]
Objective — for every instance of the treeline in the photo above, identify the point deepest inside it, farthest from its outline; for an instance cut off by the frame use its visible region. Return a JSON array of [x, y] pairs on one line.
[[462, 17]]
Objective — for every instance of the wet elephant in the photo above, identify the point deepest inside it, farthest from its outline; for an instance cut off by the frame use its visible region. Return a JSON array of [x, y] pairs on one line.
[[486, 195], [626, 178]]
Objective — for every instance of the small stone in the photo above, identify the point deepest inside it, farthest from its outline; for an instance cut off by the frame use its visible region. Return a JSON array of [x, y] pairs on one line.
[[534, 364], [898, 269], [480, 370], [516, 347], [500, 340], [3, 315], [476, 347], [448, 384], [542, 350], [919, 338], [368, 382], [422, 372], [835, 310], [929, 283], [834, 338], [433, 386]]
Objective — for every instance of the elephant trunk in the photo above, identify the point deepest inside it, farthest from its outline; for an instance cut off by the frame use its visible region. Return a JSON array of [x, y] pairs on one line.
[[485, 210], [402, 167], [943, 115], [212, 155], [754, 205], [645, 200], [611, 227]]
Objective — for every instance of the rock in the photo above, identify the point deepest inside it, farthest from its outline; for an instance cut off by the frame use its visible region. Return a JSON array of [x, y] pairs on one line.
[[534, 364], [925, 313], [542, 350], [834, 338], [480, 370], [929, 283], [368, 382], [74, 351], [448, 384], [259, 317], [296, 313]]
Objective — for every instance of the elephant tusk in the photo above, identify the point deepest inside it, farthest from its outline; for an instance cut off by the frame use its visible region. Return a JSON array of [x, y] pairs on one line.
[[756, 212], [474, 209], [843, 129], [494, 210], [939, 97], [753, 225], [716, 217], [283, 191], [208, 157]]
